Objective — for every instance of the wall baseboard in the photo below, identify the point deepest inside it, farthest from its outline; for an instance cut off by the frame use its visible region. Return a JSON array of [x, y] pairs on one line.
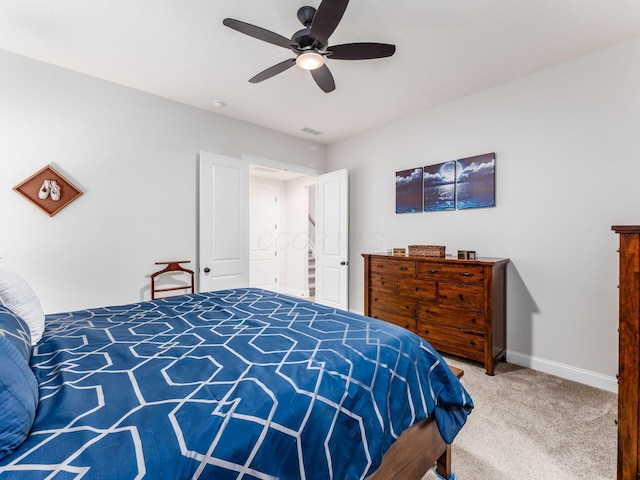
[[295, 292], [568, 372]]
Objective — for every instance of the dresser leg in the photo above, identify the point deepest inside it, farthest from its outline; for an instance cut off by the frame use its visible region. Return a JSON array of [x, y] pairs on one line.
[[490, 367]]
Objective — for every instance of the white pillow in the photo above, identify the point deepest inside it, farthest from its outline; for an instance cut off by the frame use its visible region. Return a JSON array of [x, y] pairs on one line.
[[17, 296]]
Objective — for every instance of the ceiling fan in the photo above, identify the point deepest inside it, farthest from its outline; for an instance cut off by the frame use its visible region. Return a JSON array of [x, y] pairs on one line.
[[310, 45]]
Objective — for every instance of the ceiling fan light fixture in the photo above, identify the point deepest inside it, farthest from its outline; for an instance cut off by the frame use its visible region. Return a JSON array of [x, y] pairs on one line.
[[310, 61]]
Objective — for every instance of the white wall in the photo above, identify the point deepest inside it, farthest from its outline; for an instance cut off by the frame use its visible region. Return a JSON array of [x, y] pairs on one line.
[[567, 169], [134, 157]]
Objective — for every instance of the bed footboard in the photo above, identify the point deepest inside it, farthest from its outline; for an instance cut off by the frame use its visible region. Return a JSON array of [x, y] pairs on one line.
[[417, 450], [414, 453]]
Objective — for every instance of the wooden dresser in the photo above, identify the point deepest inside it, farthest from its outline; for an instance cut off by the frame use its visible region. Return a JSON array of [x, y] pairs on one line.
[[458, 306], [629, 352]]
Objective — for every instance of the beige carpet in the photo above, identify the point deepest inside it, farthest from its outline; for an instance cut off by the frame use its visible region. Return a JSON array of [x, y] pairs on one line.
[[528, 425]]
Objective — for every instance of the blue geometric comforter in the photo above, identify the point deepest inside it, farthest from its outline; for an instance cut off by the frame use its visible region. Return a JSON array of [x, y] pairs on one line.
[[235, 384]]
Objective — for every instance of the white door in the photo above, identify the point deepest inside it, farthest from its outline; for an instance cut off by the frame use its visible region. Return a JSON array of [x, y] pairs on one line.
[[223, 222], [263, 230], [332, 240]]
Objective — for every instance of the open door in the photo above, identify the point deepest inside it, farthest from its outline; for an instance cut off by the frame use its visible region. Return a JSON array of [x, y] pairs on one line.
[[332, 240], [223, 222]]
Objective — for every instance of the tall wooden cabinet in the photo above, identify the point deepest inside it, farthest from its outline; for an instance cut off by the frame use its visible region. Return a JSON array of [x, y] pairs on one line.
[[629, 352], [458, 306]]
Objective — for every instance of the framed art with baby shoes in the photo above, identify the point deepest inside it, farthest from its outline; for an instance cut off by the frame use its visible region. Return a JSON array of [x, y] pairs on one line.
[[48, 190]]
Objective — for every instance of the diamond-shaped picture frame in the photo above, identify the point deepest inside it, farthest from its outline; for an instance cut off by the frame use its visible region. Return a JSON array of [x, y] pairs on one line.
[[30, 189]]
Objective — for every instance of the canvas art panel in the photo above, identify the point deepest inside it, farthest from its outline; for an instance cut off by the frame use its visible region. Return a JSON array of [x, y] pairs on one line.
[[409, 190], [439, 186], [475, 182]]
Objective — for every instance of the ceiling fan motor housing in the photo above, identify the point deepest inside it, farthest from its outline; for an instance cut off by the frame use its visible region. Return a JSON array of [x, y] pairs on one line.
[[305, 15], [303, 37], [305, 41]]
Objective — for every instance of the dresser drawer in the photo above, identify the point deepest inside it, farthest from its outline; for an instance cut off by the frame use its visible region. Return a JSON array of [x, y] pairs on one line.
[[384, 283], [451, 272], [453, 340], [394, 267], [391, 303], [406, 322], [456, 295], [419, 289], [464, 318]]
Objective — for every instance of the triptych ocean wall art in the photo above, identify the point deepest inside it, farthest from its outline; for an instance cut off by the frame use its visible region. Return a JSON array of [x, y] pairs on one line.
[[457, 184]]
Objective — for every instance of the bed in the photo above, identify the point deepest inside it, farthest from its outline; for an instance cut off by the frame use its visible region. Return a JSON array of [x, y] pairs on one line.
[[234, 384]]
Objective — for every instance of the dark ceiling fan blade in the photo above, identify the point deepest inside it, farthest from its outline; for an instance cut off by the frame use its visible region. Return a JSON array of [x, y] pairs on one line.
[[361, 51], [274, 70], [324, 79], [327, 18], [259, 33]]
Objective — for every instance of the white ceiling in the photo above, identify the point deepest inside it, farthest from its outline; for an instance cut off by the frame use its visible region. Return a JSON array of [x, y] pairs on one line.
[[180, 50]]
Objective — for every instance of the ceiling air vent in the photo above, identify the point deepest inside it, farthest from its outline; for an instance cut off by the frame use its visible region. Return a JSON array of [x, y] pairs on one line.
[[311, 131]]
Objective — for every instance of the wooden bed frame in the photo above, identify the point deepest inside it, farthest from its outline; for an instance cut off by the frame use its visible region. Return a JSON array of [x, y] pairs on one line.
[[417, 450]]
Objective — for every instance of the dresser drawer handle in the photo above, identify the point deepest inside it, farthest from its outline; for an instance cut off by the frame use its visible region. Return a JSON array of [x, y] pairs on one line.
[[473, 343], [467, 274], [382, 282], [473, 319], [379, 265], [461, 297], [432, 271], [427, 311], [404, 269]]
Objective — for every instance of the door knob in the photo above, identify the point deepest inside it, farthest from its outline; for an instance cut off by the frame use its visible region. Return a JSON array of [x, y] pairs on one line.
[[207, 270], [344, 263]]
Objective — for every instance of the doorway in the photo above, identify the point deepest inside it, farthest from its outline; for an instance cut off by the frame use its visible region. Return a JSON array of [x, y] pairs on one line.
[[223, 228], [282, 231]]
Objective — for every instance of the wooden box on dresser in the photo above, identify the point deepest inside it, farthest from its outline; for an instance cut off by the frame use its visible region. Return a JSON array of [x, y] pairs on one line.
[[458, 306], [629, 353]]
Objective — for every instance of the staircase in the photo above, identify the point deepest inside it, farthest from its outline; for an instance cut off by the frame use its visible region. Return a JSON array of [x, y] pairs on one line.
[[312, 275]]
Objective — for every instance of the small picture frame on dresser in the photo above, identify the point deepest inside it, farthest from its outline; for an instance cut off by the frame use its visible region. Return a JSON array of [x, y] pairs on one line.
[[467, 255]]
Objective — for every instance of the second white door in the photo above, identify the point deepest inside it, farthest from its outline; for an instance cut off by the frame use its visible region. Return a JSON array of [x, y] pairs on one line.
[[263, 234]]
